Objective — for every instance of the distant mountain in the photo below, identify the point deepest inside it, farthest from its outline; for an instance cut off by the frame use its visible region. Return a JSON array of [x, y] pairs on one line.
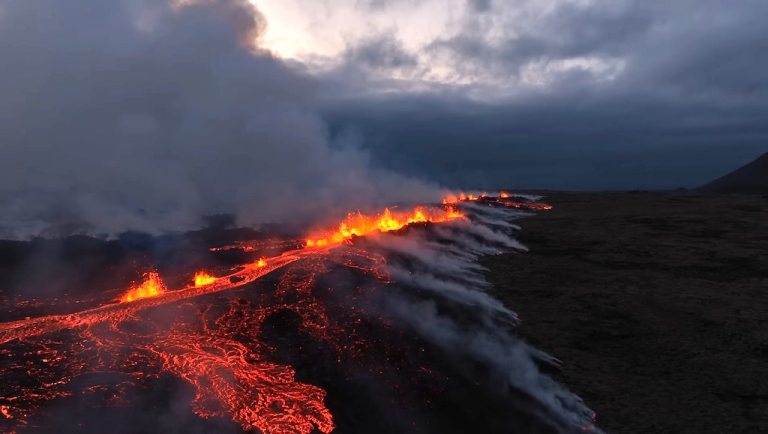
[[752, 178]]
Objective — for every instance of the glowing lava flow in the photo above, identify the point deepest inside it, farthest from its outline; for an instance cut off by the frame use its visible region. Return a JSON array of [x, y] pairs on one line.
[[120, 311], [151, 287], [230, 377], [453, 199], [232, 380], [202, 279], [503, 199], [358, 224], [153, 293], [255, 393]]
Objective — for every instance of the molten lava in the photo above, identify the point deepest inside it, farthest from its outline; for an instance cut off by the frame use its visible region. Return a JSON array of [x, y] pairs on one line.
[[453, 199], [202, 278], [216, 342], [358, 224], [152, 286], [503, 199]]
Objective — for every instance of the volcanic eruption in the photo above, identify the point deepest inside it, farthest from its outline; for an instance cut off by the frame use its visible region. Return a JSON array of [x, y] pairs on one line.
[[282, 340], [322, 294]]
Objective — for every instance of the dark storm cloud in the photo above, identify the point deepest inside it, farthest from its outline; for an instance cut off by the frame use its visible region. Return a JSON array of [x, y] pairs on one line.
[[683, 99], [145, 115]]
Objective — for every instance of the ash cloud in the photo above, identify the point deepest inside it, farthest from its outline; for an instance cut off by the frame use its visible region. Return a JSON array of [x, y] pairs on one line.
[[146, 115]]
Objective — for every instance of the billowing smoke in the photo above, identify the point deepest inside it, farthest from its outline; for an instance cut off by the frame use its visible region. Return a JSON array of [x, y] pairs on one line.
[[444, 299], [148, 114]]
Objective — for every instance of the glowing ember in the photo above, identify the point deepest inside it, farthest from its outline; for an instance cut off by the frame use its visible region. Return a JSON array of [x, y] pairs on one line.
[[358, 224], [202, 278], [151, 287]]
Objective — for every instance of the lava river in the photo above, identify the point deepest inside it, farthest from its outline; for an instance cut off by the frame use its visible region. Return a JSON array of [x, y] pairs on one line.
[[283, 341]]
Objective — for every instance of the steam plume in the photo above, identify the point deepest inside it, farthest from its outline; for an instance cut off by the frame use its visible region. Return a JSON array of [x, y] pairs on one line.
[[146, 115], [460, 316]]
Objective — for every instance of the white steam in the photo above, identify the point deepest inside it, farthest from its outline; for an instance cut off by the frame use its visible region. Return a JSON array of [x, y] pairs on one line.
[[148, 114], [443, 264]]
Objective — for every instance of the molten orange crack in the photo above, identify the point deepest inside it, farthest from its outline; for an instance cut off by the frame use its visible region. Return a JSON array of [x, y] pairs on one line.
[[151, 287], [231, 380], [358, 224]]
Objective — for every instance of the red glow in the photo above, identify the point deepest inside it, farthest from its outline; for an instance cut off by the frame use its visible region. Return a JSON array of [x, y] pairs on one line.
[[202, 279], [217, 348], [152, 286], [504, 199], [229, 377], [358, 224]]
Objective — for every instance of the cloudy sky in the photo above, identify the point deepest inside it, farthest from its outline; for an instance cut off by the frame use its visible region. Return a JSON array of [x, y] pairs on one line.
[[148, 114], [582, 94]]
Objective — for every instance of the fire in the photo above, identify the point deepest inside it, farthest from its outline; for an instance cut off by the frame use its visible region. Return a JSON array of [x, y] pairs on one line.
[[261, 263], [222, 353], [151, 287], [202, 278], [503, 199], [358, 224], [453, 199]]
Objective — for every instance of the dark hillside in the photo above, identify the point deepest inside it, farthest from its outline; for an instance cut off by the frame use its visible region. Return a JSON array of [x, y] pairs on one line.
[[752, 178]]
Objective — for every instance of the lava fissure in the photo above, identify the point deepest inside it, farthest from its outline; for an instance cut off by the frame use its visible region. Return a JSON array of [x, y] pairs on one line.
[[344, 305]]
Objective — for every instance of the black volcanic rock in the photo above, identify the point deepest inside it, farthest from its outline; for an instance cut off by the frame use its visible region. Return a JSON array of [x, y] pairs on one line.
[[752, 178], [656, 298]]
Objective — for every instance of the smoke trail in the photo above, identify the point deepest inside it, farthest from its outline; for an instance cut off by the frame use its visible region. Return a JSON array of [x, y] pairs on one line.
[[460, 316], [146, 115]]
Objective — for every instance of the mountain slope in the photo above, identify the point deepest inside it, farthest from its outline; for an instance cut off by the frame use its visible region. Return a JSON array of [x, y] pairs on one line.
[[752, 178]]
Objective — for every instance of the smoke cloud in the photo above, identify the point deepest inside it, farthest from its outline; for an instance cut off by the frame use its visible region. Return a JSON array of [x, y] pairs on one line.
[[444, 299], [146, 115]]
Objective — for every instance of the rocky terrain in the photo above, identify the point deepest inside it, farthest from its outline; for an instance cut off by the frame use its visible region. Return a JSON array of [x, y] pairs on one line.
[[657, 304]]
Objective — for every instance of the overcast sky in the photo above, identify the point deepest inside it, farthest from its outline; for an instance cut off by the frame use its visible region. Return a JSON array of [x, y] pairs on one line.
[[583, 94], [148, 114]]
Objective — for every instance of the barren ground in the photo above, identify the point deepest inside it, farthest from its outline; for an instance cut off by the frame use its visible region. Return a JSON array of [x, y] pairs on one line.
[[657, 304]]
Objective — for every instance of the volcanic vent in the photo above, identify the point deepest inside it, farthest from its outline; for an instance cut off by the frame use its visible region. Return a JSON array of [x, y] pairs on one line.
[[379, 324]]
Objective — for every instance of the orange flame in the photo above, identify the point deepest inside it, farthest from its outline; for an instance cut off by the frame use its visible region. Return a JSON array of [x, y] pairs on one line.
[[504, 199], [151, 287], [202, 278], [358, 224], [453, 199]]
